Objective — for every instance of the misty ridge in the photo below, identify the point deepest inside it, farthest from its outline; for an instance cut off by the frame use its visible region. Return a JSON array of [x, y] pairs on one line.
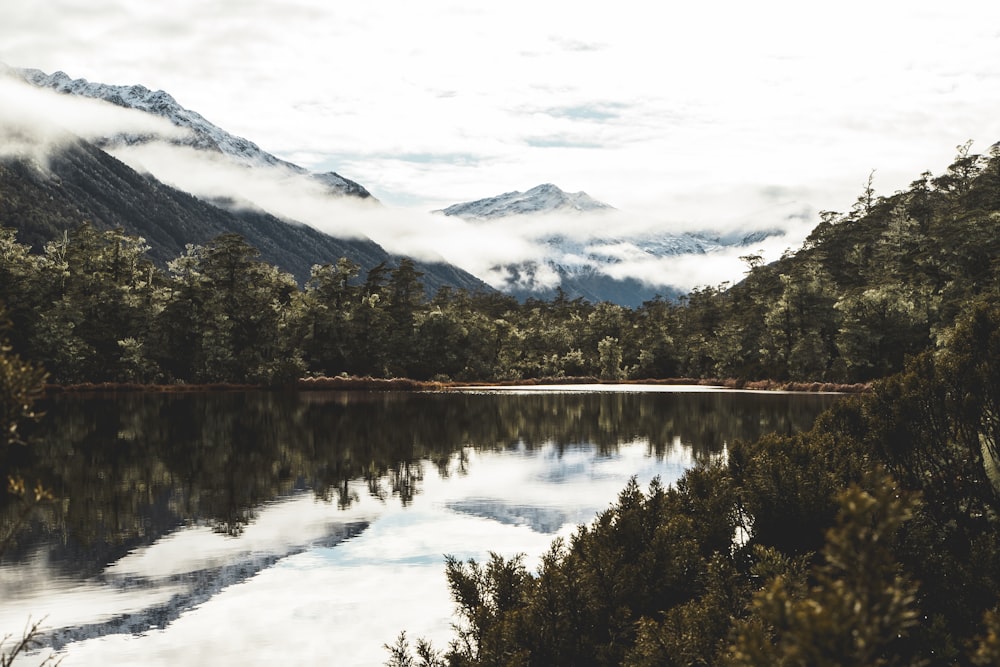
[[865, 289], [610, 245]]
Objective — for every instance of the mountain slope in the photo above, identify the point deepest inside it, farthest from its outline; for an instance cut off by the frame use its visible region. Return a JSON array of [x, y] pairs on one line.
[[83, 183], [203, 135]]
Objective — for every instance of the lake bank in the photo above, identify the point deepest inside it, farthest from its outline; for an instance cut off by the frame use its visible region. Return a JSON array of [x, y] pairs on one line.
[[354, 383]]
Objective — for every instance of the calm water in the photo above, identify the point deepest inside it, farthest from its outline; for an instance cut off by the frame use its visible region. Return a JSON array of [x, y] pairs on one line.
[[267, 528]]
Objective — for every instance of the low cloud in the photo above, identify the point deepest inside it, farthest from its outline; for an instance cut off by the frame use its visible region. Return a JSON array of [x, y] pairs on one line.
[[696, 270], [295, 197], [493, 249], [34, 120]]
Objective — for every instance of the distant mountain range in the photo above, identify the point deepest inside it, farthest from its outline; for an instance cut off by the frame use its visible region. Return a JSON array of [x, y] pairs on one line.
[[82, 182], [580, 267]]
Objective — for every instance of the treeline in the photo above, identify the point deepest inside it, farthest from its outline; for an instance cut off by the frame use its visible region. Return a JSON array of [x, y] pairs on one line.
[[873, 539], [91, 307], [868, 288]]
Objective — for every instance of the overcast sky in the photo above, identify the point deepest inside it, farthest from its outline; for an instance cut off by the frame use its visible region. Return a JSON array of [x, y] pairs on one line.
[[707, 113]]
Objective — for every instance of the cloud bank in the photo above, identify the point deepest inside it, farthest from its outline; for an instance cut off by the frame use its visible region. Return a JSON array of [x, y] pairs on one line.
[[485, 249], [443, 102], [34, 121]]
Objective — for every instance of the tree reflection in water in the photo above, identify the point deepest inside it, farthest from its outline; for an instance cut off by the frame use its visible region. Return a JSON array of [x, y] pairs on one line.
[[132, 467]]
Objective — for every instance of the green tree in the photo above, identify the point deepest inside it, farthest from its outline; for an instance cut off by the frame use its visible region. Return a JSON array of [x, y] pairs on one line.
[[862, 606], [401, 654], [655, 322], [97, 289], [488, 599], [228, 317], [701, 317], [405, 300], [329, 304], [958, 180], [20, 274], [609, 352], [878, 328], [800, 325], [373, 326]]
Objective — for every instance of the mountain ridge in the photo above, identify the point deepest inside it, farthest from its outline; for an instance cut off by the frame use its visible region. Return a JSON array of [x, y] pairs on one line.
[[82, 183], [204, 135], [581, 266], [544, 198]]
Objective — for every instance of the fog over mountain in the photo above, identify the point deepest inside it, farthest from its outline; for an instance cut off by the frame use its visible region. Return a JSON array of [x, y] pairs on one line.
[[198, 132], [526, 243], [53, 177], [587, 251]]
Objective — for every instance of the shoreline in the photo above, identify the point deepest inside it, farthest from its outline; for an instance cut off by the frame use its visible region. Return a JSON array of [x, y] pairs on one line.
[[354, 383]]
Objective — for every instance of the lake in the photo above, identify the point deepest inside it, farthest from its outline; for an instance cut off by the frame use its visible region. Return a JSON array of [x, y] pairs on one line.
[[263, 528]]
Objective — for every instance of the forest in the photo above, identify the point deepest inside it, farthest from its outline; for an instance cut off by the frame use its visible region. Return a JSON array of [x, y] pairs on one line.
[[872, 539], [868, 288]]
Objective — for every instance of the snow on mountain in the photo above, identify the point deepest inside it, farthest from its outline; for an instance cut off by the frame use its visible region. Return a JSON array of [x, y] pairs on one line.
[[546, 198], [581, 265], [202, 134], [583, 268]]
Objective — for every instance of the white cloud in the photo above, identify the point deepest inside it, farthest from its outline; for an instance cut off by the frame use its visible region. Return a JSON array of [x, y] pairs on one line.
[[721, 93], [485, 248], [419, 234], [355, 595], [696, 270], [682, 119], [32, 120]]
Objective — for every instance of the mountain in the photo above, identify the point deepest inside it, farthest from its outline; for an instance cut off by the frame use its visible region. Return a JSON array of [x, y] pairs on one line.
[[546, 198], [201, 135], [583, 267], [81, 182]]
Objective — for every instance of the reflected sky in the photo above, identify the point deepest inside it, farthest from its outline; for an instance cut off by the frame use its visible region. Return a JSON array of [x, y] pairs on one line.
[[284, 593], [308, 577]]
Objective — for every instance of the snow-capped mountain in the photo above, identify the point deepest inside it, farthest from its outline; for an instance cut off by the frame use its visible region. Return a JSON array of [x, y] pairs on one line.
[[201, 134], [545, 198], [81, 181], [582, 264]]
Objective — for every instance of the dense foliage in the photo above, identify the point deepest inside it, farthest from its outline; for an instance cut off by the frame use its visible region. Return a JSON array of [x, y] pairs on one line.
[[873, 539], [868, 288]]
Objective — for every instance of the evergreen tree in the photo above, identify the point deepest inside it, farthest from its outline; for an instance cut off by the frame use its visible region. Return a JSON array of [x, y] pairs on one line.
[[228, 317], [329, 304]]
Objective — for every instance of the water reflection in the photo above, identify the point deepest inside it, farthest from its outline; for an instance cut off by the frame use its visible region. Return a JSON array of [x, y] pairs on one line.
[[135, 466], [169, 500]]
